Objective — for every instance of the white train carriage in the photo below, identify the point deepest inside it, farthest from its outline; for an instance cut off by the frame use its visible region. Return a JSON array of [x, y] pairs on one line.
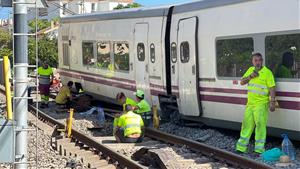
[[191, 56]]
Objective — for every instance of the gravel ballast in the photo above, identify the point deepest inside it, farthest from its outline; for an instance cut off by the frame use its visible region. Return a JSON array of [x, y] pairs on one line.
[[226, 141]]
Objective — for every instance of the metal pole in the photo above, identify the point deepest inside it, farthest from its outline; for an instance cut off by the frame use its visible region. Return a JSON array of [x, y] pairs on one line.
[[20, 87]]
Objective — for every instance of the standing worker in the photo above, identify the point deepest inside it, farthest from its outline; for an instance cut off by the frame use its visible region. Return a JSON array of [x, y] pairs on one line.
[[130, 127], [261, 95], [122, 99], [143, 108], [45, 78]]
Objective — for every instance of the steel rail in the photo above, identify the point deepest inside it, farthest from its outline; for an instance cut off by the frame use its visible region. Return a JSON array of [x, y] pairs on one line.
[[219, 154], [216, 153], [122, 160]]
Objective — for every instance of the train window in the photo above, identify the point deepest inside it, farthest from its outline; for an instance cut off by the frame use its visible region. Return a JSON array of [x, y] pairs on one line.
[[234, 56], [121, 56], [66, 61], [103, 55], [184, 52], [141, 51], [174, 52], [283, 55], [152, 52], [88, 53]]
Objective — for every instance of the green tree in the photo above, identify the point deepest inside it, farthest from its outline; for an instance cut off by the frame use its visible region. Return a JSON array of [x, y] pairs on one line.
[[5, 43], [131, 5], [47, 50], [41, 24]]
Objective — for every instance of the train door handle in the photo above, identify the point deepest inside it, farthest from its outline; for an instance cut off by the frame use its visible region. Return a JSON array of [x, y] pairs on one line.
[[194, 69], [173, 69]]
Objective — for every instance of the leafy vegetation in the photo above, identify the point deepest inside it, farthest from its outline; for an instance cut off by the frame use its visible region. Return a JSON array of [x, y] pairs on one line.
[[47, 47], [47, 50], [41, 24], [5, 44], [132, 5]]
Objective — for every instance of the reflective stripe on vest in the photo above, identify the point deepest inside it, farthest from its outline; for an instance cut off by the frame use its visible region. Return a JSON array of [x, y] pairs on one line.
[[258, 85], [132, 125], [44, 75], [44, 79], [258, 89]]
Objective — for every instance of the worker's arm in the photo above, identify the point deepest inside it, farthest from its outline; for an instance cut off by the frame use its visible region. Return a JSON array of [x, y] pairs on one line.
[[246, 80], [135, 108], [272, 101]]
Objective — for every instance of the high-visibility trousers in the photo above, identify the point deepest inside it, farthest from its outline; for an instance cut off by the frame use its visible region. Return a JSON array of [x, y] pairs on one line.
[[255, 117], [45, 92]]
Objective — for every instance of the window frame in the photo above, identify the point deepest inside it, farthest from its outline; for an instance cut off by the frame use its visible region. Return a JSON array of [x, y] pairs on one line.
[[278, 33], [252, 36], [110, 53], [184, 61], [113, 55], [94, 52], [154, 58], [175, 51], [140, 60]]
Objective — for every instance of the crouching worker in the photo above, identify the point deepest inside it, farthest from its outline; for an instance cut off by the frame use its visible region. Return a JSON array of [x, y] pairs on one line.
[[122, 99], [143, 108], [130, 127], [64, 95]]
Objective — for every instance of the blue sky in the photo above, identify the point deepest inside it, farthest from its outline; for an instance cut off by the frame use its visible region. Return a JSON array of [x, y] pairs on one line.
[[5, 11]]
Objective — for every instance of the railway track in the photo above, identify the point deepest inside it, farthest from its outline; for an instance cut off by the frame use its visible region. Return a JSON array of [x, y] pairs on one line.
[[162, 158], [107, 157]]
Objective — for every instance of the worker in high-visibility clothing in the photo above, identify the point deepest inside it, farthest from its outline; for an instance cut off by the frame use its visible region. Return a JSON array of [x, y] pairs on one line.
[[45, 75], [122, 99], [143, 108], [130, 127], [261, 97], [64, 95]]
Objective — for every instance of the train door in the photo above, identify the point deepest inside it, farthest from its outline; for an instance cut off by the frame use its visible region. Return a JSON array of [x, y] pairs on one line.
[[188, 67], [142, 58]]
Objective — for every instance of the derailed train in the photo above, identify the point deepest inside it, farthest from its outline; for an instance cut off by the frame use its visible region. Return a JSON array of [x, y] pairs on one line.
[[188, 57]]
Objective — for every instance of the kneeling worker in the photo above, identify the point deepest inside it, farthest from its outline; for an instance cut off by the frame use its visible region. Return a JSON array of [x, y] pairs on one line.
[[64, 95], [130, 127], [122, 99], [143, 108]]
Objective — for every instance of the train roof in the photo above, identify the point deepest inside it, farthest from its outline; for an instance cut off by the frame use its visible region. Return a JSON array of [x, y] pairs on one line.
[[149, 12]]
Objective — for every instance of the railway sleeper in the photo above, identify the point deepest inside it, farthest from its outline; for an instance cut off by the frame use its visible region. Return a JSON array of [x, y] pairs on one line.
[[98, 164], [88, 158]]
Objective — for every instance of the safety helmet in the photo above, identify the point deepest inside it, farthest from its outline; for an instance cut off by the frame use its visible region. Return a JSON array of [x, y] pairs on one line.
[[139, 93]]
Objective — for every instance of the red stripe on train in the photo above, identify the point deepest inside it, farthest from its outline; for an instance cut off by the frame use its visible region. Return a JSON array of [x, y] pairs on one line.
[[156, 90]]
